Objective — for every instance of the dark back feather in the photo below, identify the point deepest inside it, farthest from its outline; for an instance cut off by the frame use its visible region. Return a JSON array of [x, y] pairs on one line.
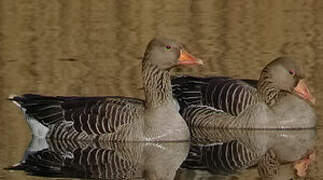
[[187, 90], [223, 93], [229, 95]]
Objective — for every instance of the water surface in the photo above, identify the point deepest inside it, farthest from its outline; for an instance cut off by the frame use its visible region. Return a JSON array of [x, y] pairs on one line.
[[91, 48]]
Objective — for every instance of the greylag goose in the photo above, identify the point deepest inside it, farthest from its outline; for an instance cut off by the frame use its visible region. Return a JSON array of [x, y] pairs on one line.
[[116, 118], [278, 100]]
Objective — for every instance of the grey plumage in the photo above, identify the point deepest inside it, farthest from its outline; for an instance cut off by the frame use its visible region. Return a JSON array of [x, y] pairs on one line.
[[278, 100], [83, 118], [116, 118]]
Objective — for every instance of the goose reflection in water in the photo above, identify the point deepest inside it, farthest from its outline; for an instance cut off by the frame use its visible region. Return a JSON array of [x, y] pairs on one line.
[[51, 158], [227, 152]]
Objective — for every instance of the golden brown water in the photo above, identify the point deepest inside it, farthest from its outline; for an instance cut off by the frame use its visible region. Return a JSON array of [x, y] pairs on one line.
[[85, 48]]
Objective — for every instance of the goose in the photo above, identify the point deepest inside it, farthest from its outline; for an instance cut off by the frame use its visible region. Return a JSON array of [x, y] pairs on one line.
[[113, 118], [280, 99]]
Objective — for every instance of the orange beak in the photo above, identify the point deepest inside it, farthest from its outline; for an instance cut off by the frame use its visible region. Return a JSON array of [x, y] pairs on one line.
[[187, 58], [302, 90]]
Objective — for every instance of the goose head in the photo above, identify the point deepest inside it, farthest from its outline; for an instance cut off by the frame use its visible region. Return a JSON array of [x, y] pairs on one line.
[[167, 53], [284, 74]]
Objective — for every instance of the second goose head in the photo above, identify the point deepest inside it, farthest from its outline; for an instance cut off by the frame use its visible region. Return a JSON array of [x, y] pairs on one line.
[[283, 74]]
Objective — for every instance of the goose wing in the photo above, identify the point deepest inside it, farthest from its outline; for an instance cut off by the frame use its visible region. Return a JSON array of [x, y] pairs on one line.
[[223, 93], [92, 115]]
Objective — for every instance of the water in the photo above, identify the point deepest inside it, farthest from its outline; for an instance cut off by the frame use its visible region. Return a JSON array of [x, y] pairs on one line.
[[94, 47]]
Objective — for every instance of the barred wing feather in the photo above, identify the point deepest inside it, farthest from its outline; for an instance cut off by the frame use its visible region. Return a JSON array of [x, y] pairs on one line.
[[92, 115], [223, 93], [229, 95]]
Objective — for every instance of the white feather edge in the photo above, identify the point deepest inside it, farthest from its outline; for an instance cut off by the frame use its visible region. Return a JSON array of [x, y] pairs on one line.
[[38, 130]]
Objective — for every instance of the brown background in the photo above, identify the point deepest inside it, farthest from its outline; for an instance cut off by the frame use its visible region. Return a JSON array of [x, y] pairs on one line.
[[93, 47]]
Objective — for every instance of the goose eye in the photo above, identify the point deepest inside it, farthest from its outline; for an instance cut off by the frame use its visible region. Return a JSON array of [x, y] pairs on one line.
[[168, 47], [291, 72]]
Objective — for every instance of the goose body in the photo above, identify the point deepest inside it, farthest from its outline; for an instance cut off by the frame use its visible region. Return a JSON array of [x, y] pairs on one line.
[[278, 100], [116, 118]]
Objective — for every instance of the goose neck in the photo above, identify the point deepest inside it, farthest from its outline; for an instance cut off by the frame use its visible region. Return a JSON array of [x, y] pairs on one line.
[[157, 85], [269, 91]]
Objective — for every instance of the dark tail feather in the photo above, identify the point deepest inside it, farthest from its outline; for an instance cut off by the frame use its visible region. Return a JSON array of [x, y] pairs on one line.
[[18, 166], [44, 109]]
